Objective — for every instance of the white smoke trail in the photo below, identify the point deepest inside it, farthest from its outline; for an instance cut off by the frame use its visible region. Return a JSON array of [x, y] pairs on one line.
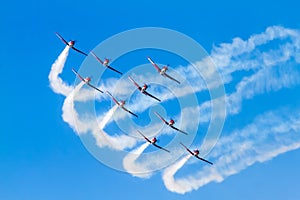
[[90, 123], [119, 142], [237, 56], [83, 124], [168, 175], [263, 81], [56, 83], [107, 117], [130, 165], [268, 136], [71, 116]]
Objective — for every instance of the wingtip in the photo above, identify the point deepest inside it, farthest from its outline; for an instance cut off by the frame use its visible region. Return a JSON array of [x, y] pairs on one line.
[[182, 144], [91, 52], [184, 132]]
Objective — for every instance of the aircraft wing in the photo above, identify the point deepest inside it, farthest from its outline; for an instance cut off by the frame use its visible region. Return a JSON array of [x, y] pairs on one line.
[[153, 63], [78, 75], [152, 143], [161, 148], [94, 87], [97, 58], [61, 38], [203, 160], [109, 67], [113, 98], [150, 95], [161, 118], [170, 77], [177, 129], [144, 136], [129, 111], [187, 149], [136, 85], [79, 51]]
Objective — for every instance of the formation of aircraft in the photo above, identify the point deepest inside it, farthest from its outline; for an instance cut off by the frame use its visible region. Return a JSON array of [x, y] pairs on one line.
[[143, 89], [86, 80], [120, 104], [170, 123], [153, 142], [105, 63], [196, 154], [162, 71], [71, 44]]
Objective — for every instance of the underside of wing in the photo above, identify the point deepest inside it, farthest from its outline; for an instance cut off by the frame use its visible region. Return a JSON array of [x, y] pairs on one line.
[[150, 95], [129, 111], [187, 148], [177, 129], [153, 63], [97, 58], [204, 160], [61, 38], [161, 118], [94, 87], [170, 77], [79, 51], [109, 67], [78, 75], [161, 148], [113, 98], [135, 83], [144, 136]]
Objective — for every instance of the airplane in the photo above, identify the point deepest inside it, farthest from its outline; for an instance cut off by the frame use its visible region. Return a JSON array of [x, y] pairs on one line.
[[105, 63], [162, 71], [153, 142], [170, 123], [196, 153], [120, 104], [71, 43], [143, 89], [86, 80]]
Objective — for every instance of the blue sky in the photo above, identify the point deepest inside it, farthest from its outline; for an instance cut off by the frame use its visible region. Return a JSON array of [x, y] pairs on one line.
[[43, 158]]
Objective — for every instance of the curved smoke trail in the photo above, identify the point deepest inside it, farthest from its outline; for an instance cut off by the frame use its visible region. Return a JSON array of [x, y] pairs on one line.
[[130, 165], [56, 83]]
